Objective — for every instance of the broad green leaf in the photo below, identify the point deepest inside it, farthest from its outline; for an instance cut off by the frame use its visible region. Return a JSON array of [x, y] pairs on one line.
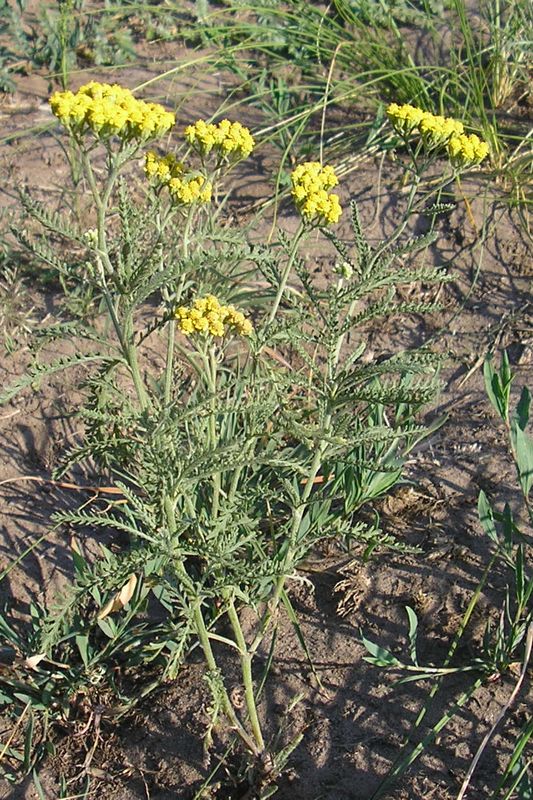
[[521, 414], [82, 642], [498, 385], [524, 458], [413, 630], [379, 655], [486, 517], [108, 627]]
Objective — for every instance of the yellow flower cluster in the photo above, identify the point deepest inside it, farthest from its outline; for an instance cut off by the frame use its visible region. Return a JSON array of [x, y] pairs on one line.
[[162, 168], [404, 118], [190, 189], [206, 315], [110, 110], [310, 182], [183, 188], [229, 140], [437, 131], [464, 150]]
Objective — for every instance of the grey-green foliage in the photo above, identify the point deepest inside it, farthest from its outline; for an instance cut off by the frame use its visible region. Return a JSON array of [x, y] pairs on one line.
[[270, 420], [382, 12], [70, 33], [59, 36], [308, 427], [12, 37]]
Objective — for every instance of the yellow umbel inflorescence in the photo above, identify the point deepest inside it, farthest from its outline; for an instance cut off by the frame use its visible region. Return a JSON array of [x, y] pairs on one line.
[[162, 168], [228, 140], [435, 130], [310, 184], [208, 316], [404, 118], [190, 189], [438, 131], [464, 150], [184, 188], [110, 110]]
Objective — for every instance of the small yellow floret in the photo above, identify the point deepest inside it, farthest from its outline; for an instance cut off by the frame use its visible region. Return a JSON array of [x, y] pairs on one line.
[[404, 118], [437, 130], [184, 188], [190, 189], [162, 168]]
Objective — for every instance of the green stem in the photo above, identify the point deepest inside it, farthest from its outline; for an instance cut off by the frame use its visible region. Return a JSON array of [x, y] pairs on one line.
[[296, 522], [411, 208], [234, 483], [171, 325], [400, 229], [65, 12], [246, 669], [124, 336], [285, 274], [299, 512], [169, 366], [229, 711], [213, 427], [170, 514]]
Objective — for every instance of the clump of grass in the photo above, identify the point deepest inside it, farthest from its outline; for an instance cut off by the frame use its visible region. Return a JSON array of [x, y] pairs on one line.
[[60, 36], [369, 54]]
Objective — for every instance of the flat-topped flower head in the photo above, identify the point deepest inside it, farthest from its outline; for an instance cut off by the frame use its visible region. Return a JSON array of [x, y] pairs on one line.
[[184, 188], [229, 141], [437, 130], [207, 316], [162, 168], [466, 150], [310, 182], [110, 110], [404, 118], [189, 189]]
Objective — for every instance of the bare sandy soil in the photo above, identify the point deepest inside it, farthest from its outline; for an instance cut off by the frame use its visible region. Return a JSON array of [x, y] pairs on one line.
[[355, 724]]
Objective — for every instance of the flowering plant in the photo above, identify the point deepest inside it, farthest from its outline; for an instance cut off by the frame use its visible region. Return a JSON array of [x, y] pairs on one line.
[[251, 429]]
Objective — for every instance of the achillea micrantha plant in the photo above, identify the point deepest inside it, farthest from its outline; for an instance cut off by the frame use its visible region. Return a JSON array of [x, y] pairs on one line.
[[232, 461]]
